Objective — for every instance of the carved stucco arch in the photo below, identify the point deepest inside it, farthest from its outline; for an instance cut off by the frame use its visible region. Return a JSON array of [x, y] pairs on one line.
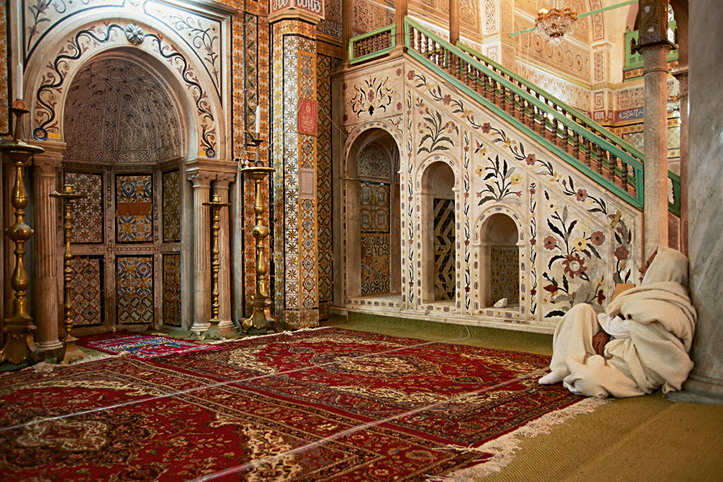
[[82, 40], [498, 209], [360, 131]]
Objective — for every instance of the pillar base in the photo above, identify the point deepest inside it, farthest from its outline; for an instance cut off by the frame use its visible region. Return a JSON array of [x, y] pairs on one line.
[[227, 328], [259, 323], [199, 327], [19, 344], [699, 389], [213, 332], [71, 353]]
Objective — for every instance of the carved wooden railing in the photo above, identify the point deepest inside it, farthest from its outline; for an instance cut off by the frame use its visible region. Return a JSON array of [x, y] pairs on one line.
[[586, 145], [372, 45]]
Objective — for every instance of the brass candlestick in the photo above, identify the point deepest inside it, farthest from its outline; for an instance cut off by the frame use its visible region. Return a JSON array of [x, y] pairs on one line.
[[258, 323], [71, 352], [213, 331], [19, 343]]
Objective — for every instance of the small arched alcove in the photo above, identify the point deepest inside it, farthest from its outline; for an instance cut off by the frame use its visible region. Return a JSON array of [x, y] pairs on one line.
[[500, 261], [373, 223], [439, 273]]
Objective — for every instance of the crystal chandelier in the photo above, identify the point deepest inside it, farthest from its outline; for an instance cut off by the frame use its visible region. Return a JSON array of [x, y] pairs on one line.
[[556, 22]]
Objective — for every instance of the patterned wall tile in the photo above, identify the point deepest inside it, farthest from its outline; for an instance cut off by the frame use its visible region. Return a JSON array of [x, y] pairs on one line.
[[86, 291], [88, 211], [134, 208], [324, 173], [134, 289], [444, 256], [4, 81], [505, 270], [172, 289], [375, 238], [171, 207]]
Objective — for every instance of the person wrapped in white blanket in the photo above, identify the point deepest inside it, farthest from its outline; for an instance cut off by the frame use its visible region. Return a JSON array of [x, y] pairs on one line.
[[640, 343]]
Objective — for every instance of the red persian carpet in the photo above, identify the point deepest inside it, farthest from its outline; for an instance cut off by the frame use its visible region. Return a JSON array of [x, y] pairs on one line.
[[315, 405], [141, 346]]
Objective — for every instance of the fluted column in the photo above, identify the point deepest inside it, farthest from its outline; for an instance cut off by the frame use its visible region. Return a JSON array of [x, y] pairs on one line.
[[201, 250], [682, 76], [47, 298], [220, 188], [8, 257]]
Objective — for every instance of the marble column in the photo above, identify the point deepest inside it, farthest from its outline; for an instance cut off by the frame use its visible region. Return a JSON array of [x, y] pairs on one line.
[[705, 171], [682, 76], [453, 21], [201, 250], [45, 210], [654, 46], [220, 188], [400, 11]]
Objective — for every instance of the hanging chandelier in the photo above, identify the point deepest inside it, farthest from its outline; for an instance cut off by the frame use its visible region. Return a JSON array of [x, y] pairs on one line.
[[556, 22]]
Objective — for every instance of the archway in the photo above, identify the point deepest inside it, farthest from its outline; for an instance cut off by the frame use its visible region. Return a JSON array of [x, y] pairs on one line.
[[438, 216], [499, 262], [373, 237], [125, 137]]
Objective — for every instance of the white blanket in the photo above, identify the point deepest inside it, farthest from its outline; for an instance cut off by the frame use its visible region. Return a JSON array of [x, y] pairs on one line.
[[661, 322]]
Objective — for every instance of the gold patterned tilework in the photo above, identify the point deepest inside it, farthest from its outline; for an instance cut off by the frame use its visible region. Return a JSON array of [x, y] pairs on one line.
[[87, 215], [4, 81]]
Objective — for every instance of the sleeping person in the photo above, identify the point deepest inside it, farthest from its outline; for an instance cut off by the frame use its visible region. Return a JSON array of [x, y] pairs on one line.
[[640, 343]]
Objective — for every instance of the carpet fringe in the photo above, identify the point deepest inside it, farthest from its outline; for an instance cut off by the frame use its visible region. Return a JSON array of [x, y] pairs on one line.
[[505, 447]]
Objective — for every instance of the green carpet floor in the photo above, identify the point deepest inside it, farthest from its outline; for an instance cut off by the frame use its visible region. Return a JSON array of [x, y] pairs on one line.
[[642, 439]]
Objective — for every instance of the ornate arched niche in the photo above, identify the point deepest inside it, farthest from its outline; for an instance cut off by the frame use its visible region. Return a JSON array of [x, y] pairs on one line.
[[499, 261], [119, 111], [438, 219], [373, 216], [126, 138]]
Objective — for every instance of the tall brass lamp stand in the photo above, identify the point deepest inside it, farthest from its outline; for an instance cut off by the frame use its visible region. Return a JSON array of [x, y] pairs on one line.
[[19, 342], [71, 352], [258, 323]]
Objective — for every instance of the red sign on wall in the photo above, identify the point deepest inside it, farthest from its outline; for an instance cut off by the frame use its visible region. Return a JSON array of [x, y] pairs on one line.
[[307, 117]]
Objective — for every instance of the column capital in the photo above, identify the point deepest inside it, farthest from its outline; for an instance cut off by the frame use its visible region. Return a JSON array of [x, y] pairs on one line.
[[223, 180], [203, 171]]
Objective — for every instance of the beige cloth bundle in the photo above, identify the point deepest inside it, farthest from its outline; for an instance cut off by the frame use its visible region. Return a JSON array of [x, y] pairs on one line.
[[661, 324]]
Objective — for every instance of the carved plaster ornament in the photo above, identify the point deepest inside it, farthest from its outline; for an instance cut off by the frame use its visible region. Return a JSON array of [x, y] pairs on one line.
[[134, 34]]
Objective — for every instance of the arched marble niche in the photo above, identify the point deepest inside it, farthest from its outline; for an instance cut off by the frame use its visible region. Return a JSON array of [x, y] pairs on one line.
[[499, 261], [438, 233], [372, 227]]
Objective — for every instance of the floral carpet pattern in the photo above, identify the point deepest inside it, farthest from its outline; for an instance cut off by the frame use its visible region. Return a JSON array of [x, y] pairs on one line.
[[141, 346], [316, 405]]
